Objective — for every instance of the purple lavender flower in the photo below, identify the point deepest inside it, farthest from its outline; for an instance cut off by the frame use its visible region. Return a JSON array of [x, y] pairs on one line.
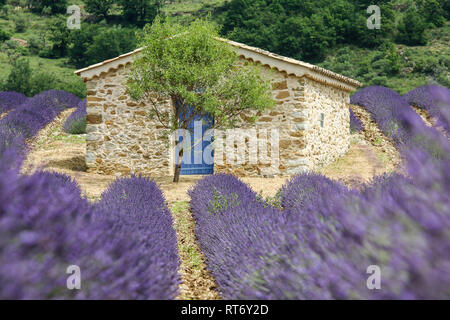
[[398, 120], [355, 123], [137, 208], [10, 100], [434, 99], [76, 122], [125, 246]]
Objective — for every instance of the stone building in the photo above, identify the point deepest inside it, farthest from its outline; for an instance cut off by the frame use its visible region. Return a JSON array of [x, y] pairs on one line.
[[311, 122]]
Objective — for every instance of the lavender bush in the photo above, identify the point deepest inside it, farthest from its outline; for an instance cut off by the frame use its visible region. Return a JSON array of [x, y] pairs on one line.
[[46, 226], [399, 121], [10, 100], [237, 233], [355, 123], [137, 208], [125, 245], [76, 122], [36, 112], [321, 245], [435, 100], [321, 249], [389, 110]]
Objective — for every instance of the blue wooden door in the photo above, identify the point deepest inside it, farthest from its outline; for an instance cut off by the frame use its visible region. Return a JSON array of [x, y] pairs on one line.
[[194, 160]]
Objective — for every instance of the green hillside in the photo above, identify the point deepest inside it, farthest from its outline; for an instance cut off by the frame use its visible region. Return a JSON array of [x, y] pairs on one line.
[[410, 49]]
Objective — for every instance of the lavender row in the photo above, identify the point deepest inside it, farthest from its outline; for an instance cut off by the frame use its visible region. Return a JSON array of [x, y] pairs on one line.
[[355, 123], [137, 208], [322, 246], [239, 236], [399, 121], [10, 100], [434, 99], [36, 112], [125, 246], [76, 122]]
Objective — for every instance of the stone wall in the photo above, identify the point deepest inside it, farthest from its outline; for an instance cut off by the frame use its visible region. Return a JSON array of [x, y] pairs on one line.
[[327, 143], [121, 138], [289, 121]]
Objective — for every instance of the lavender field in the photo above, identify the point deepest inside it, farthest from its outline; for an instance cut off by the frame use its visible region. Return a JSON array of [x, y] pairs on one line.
[[46, 224], [316, 241]]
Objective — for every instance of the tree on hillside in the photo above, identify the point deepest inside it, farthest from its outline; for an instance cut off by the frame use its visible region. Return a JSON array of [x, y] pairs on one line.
[[411, 29], [110, 43], [100, 8], [432, 12], [59, 35], [139, 12], [56, 6], [200, 74], [19, 78]]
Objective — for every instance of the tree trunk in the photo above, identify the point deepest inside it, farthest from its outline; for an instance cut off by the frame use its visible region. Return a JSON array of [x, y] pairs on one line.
[[176, 176]]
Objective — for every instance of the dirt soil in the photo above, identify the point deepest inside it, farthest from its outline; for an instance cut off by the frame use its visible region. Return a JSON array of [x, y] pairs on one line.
[[429, 121], [4, 114], [371, 153]]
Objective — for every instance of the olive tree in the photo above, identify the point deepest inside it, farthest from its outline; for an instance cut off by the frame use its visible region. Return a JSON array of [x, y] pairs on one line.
[[200, 73]]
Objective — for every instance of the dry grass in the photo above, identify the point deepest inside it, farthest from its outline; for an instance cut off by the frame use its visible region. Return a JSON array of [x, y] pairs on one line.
[[197, 283]]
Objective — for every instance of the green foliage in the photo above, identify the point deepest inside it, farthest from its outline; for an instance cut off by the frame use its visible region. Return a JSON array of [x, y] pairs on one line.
[[56, 6], [109, 43], [78, 126], [99, 8], [274, 202], [92, 44], [193, 68], [305, 30], [139, 12], [394, 61], [432, 11], [19, 79], [221, 202], [4, 35], [59, 35], [31, 81], [20, 23], [411, 29]]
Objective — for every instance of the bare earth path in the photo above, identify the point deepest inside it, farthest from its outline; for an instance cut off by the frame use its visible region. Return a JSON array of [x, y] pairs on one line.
[[370, 154]]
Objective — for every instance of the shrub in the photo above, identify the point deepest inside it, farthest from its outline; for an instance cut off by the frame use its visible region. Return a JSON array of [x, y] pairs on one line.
[[137, 207], [389, 110], [411, 29], [45, 226], [355, 123], [4, 35], [399, 121], [36, 112], [435, 100], [21, 23], [10, 100], [19, 78], [237, 234], [76, 122], [125, 246], [321, 245]]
